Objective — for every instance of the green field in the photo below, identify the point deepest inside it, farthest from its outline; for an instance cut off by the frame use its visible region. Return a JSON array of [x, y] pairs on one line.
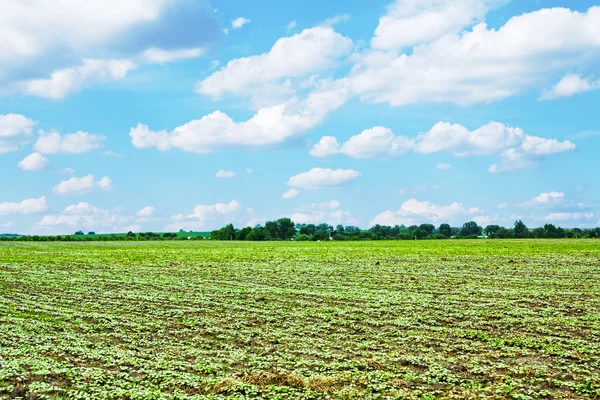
[[349, 320]]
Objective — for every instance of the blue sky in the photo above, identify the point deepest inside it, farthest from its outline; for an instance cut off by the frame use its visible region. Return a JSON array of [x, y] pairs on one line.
[[120, 115]]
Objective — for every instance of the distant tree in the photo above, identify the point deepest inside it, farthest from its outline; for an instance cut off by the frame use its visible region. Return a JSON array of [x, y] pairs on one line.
[[538, 233], [503, 233], [272, 230], [91, 233], [130, 234], [242, 234], [445, 230], [321, 234], [490, 230], [287, 228], [419, 234], [427, 228], [470, 229], [79, 233], [520, 230]]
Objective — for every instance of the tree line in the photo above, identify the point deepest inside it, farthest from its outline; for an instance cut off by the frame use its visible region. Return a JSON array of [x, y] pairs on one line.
[[286, 229]]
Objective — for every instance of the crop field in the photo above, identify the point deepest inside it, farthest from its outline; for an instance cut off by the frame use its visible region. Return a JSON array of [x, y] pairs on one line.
[[453, 319]]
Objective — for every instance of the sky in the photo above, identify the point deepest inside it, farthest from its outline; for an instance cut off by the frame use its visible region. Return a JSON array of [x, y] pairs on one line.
[[160, 115]]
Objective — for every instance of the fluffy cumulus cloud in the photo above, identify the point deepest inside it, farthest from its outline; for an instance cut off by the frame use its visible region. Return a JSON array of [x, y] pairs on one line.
[[84, 185], [477, 65], [290, 194], [300, 55], [146, 212], [84, 216], [377, 142], [15, 129], [412, 22], [46, 51], [73, 143], [516, 149], [239, 22], [570, 85], [269, 126], [319, 178], [34, 162], [413, 212], [64, 81], [549, 198], [569, 217], [25, 207], [204, 214], [329, 212], [222, 174]]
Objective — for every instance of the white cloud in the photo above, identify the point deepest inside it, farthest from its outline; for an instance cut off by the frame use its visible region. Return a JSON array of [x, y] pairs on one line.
[[7, 225], [377, 142], [569, 85], [480, 65], [35, 27], [68, 170], [34, 162], [303, 54], [239, 22], [202, 214], [415, 212], [290, 194], [485, 220], [147, 211], [269, 126], [516, 149], [221, 174], [40, 36], [73, 143], [86, 216], [443, 167], [291, 25], [25, 207], [328, 212], [14, 131], [569, 216], [545, 199], [330, 22], [159, 56], [249, 171], [84, 185], [413, 22], [105, 183], [64, 81], [319, 178]]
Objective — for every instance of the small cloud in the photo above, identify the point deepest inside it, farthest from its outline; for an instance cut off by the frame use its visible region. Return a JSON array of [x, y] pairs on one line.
[[84, 185], [68, 171], [249, 171], [239, 22], [290, 194], [570, 85], [291, 25], [147, 211], [34, 162], [110, 154], [225, 174], [335, 20], [214, 64], [442, 167]]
